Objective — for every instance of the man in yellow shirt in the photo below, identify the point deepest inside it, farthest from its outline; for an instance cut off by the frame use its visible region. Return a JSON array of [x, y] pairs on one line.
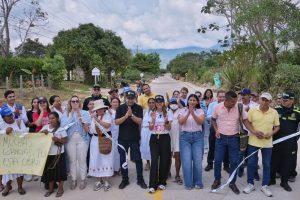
[[143, 99], [265, 120]]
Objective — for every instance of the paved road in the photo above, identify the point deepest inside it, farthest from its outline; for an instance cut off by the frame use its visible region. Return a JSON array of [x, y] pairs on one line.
[[174, 192]]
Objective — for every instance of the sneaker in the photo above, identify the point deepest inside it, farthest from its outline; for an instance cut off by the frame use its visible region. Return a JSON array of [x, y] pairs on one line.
[[107, 186], [142, 184], [98, 185], [162, 187], [198, 187], [208, 167], [249, 188], [82, 185], [123, 184], [292, 179], [151, 190], [266, 191]]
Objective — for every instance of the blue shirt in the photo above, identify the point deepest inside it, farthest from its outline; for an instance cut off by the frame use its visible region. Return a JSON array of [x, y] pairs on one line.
[[77, 127], [211, 108]]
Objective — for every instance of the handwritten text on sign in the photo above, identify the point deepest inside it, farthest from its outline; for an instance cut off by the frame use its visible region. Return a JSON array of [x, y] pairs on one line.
[[24, 155]]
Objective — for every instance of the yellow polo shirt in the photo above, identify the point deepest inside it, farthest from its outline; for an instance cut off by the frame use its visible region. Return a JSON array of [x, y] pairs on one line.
[[143, 100], [264, 122]]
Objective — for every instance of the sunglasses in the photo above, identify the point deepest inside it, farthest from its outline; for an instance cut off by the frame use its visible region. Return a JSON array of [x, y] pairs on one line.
[[75, 101]]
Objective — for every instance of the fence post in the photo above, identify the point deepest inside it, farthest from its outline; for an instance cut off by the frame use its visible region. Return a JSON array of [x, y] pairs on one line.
[[21, 87], [7, 83], [33, 83]]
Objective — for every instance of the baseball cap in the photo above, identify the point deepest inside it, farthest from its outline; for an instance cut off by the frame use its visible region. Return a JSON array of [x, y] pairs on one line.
[[42, 99], [288, 95], [173, 100], [266, 95], [159, 98], [96, 86], [130, 93], [5, 111], [245, 91]]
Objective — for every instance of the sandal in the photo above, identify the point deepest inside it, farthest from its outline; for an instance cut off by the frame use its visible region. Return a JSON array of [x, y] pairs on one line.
[[6, 191], [48, 193], [21, 191], [59, 194], [178, 180]]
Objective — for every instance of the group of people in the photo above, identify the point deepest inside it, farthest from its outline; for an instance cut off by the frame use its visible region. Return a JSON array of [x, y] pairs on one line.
[[156, 128]]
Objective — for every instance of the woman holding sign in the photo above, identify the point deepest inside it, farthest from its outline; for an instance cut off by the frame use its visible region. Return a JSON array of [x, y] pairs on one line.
[[11, 126], [55, 168]]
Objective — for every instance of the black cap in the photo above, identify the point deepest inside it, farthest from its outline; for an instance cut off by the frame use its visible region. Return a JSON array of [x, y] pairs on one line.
[[130, 93], [96, 86], [288, 95], [42, 99], [159, 98]]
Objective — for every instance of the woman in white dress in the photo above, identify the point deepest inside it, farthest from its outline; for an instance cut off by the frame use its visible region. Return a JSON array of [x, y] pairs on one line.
[[11, 126], [115, 103], [101, 165], [146, 134], [174, 133]]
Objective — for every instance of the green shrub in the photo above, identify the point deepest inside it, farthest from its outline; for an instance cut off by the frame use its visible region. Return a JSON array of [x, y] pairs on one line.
[[207, 76], [287, 78], [132, 74], [56, 69]]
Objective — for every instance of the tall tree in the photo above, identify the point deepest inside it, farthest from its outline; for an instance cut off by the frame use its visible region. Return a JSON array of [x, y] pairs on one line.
[[31, 48], [24, 24], [81, 46], [268, 23], [146, 62]]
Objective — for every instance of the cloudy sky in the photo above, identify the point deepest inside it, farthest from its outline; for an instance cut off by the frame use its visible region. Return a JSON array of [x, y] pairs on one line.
[[143, 23]]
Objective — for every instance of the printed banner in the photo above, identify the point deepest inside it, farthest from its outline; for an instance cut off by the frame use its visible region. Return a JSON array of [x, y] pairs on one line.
[[24, 154]]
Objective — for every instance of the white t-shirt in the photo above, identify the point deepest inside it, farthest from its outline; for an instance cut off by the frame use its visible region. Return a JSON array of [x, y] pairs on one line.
[[159, 126], [59, 133], [14, 126]]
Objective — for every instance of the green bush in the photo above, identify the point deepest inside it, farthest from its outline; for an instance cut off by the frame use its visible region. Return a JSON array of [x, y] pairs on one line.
[[287, 78], [207, 76], [56, 69], [132, 74]]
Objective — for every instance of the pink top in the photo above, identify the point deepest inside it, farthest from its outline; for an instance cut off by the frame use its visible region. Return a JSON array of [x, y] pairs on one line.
[[227, 122], [190, 124]]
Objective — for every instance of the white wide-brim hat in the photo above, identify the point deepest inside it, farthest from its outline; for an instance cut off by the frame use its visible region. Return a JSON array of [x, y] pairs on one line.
[[98, 104]]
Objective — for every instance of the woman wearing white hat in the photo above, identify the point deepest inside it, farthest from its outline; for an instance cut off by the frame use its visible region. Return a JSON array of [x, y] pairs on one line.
[[101, 165]]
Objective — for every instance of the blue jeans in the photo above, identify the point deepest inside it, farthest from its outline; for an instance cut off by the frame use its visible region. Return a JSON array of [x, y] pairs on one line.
[[233, 145], [191, 153], [253, 161]]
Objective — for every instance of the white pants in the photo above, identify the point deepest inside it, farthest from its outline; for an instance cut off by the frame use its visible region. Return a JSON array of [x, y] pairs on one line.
[[77, 152]]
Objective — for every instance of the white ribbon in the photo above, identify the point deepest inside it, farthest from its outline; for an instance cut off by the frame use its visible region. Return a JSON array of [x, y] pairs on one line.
[[125, 164], [234, 172]]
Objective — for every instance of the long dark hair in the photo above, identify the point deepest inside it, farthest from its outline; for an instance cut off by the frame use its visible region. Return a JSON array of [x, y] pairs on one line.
[[205, 94], [48, 109], [195, 96], [32, 100]]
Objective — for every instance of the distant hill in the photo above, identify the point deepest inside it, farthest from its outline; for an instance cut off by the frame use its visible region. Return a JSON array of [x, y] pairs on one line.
[[166, 55]]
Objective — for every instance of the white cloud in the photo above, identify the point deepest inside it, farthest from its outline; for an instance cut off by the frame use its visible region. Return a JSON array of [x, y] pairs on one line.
[[146, 23]]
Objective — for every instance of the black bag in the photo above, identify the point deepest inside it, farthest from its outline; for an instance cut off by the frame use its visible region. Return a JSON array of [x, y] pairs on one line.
[[243, 134]]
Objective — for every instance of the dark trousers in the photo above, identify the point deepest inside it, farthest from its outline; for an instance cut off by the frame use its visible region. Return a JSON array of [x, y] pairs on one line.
[[135, 155], [160, 148], [211, 150], [282, 160], [294, 157]]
